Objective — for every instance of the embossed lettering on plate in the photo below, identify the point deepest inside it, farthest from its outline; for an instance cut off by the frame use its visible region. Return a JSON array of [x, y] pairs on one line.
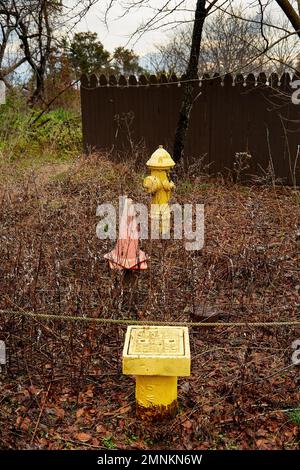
[[156, 342]]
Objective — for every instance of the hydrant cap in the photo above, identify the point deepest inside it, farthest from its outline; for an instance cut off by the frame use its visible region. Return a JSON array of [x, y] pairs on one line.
[[160, 159]]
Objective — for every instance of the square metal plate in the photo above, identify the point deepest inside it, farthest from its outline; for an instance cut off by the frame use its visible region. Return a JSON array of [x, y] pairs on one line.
[[156, 341], [157, 350]]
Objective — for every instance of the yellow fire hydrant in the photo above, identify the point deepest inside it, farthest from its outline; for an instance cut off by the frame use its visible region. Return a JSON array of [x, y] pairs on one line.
[[156, 355], [159, 185]]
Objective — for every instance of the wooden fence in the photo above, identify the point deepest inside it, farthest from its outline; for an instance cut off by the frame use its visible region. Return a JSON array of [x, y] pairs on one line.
[[230, 115]]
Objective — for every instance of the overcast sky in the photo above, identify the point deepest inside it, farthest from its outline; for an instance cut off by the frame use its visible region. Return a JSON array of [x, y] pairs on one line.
[[120, 29]]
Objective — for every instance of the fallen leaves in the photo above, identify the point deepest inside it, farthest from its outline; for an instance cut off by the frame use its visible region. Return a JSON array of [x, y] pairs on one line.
[[80, 412], [227, 402], [101, 429], [187, 424], [23, 423], [82, 436]]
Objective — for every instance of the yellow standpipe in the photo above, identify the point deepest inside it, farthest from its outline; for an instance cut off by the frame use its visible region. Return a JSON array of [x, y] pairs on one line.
[[156, 356], [159, 185]]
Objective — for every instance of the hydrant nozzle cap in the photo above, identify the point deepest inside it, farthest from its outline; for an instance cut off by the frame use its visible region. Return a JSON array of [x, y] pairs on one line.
[[161, 159]]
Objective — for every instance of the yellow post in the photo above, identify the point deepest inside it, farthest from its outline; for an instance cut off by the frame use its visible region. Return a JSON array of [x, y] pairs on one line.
[[159, 185], [156, 355]]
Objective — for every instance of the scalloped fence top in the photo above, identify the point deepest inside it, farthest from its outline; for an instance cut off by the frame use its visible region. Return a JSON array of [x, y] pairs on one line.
[[261, 79]]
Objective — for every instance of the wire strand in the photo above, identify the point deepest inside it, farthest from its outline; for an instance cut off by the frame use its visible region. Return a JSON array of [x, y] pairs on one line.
[[129, 321]]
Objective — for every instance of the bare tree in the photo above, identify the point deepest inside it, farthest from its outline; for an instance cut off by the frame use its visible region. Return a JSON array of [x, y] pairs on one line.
[[282, 57], [8, 26], [31, 24], [172, 57], [201, 13], [36, 27], [291, 13], [229, 44]]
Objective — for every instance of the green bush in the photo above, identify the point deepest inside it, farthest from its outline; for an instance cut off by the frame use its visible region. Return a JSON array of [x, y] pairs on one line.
[[295, 416], [56, 135]]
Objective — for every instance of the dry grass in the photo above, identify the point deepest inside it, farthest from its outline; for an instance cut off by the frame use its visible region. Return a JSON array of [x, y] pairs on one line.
[[51, 261]]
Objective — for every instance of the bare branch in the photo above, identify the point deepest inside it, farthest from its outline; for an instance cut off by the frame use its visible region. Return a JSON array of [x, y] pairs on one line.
[[291, 14]]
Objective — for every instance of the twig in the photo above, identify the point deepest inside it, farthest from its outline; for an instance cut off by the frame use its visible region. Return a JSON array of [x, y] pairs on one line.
[[40, 414]]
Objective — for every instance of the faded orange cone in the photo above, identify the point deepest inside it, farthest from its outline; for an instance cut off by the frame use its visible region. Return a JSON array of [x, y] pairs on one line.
[[126, 254]]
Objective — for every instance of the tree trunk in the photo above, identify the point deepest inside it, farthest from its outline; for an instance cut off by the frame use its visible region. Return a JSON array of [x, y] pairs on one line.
[[37, 95], [188, 87], [292, 15]]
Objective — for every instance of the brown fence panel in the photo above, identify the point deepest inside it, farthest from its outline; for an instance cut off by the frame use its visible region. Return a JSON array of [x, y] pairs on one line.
[[230, 115]]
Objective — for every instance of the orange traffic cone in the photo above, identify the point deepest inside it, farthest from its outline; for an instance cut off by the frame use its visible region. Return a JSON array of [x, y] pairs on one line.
[[126, 254]]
